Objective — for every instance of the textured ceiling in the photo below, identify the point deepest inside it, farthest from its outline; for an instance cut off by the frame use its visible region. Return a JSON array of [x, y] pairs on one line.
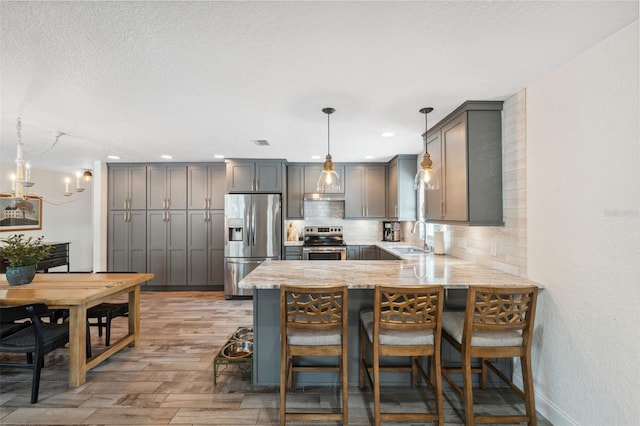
[[195, 79]]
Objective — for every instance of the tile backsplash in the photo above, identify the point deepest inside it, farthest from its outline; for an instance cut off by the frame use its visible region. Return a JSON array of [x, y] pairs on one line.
[[320, 213]]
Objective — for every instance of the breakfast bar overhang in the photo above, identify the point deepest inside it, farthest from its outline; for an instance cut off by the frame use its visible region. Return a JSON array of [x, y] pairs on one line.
[[360, 277]]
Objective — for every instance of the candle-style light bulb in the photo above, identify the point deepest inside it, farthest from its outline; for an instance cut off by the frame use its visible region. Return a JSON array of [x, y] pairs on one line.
[[66, 185], [78, 174], [27, 172], [13, 182]]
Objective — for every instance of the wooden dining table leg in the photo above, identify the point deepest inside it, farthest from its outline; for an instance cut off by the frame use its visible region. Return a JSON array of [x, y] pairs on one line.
[[134, 315], [77, 345]]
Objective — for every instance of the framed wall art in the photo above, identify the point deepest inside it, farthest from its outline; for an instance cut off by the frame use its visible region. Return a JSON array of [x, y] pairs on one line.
[[20, 214]]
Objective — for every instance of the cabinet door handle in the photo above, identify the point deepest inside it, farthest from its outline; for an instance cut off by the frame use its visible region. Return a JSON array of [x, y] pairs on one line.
[[396, 211]]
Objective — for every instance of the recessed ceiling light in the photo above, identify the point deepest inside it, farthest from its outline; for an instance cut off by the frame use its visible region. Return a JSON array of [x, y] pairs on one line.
[[387, 134], [166, 157], [113, 157], [315, 157], [368, 157], [220, 156]]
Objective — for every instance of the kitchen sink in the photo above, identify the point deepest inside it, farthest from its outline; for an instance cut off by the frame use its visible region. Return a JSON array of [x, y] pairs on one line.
[[407, 249]]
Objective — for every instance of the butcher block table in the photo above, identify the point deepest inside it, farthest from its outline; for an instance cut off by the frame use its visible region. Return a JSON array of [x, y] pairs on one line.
[[77, 292]]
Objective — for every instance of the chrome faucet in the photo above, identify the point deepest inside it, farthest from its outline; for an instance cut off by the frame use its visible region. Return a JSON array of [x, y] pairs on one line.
[[426, 246]]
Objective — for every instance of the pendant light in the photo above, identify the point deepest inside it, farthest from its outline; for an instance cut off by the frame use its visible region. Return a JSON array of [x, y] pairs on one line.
[[329, 181], [426, 175]]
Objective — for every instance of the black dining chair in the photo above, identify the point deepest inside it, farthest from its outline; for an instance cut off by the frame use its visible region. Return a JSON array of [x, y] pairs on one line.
[[104, 313], [35, 339]]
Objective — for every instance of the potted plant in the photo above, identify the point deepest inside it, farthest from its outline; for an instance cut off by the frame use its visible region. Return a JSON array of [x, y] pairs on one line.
[[21, 255]]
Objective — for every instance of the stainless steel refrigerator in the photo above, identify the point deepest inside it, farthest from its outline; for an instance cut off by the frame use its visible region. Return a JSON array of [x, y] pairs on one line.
[[253, 234]]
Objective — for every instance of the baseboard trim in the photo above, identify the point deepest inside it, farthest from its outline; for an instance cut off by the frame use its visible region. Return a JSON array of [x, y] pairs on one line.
[[547, 408]]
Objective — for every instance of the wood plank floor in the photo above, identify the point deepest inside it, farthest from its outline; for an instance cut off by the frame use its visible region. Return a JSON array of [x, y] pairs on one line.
[[168, 378]]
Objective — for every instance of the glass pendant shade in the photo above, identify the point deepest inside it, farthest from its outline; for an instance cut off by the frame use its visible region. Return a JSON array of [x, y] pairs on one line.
[[426, 178], [329, 180]]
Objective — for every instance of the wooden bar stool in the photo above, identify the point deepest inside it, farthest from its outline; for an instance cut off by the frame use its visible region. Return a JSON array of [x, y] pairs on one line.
[[497, 323], [405, 322], [313, 323]]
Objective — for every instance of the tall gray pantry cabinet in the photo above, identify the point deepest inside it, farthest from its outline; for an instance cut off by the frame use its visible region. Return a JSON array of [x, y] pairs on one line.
[[205, 222], [168, 220], [167, 224], [127, 219]]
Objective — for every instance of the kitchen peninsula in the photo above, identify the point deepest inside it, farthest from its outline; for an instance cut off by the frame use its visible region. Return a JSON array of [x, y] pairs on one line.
[[361, 277]]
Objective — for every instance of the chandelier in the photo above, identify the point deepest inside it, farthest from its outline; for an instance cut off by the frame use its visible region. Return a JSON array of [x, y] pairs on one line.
[[21, 180]]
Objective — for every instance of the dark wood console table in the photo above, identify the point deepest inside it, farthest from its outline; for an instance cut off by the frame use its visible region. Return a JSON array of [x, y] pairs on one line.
[[58, 256]]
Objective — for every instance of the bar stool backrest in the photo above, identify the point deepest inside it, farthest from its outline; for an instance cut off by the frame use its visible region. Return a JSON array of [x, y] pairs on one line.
[[499, 309], [408, 308], [317, 308]]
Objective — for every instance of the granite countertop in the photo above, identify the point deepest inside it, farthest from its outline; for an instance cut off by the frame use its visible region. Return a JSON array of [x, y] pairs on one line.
[[414, 269]]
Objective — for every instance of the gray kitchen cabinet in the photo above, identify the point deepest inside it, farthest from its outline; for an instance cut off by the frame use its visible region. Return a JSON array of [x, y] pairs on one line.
[[166, 187], [433, 198], [206, 186], [127, 241], [295, 192], [302, 179], [293, 253], [353, 252], [401, 200], [365, 191], [312, 173], [127, 187], [254, 175], [167, 247], [470, 165], [385, 255], [205, 249], [369, 253]]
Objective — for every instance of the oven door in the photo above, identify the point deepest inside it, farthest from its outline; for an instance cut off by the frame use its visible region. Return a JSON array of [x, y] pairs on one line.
[[324, 253]]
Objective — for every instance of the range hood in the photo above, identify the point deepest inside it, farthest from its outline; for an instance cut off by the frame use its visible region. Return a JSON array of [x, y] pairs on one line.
[[322, 196]]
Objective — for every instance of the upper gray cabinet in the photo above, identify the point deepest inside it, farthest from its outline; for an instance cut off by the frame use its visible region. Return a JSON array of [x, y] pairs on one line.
[[365, 191], [127, 187], [303, 179], [401, 200], [166, 187], [206, 186], [254, 175], [466, 150], [295, 191]]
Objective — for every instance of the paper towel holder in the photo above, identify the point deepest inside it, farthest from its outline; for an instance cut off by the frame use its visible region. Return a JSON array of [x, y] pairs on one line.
[[438, 242]]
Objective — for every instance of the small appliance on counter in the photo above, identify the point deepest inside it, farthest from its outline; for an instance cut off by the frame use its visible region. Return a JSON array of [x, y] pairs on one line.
[[390, 231]]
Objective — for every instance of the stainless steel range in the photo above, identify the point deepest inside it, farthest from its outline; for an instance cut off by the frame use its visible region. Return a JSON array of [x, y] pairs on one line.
[[324, 243]]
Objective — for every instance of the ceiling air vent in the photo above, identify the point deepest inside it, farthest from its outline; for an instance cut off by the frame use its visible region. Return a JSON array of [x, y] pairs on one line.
[[261, 142]]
